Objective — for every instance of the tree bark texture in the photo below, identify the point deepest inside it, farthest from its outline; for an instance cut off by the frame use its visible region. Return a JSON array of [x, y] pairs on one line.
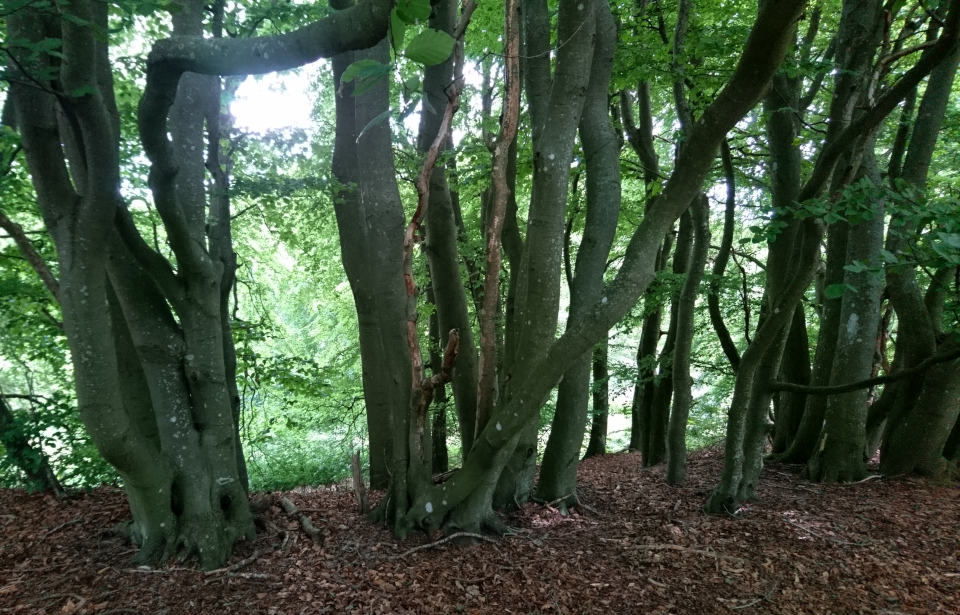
[[561, 97], [558, 472], [763, 52], [682, 380], [600, 390], [441, 237]]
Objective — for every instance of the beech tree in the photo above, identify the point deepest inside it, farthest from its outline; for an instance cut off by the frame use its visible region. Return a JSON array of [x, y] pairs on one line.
[[851, 241], [154, 385]]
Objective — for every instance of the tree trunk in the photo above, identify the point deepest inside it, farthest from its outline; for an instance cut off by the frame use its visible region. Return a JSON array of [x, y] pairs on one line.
[[558, 473], [372, 259], [438, 430], [601, 401], [538, 287], [441, 237], [33, 462], [682, 381], [657, 413], [917, 443], [795, 368]]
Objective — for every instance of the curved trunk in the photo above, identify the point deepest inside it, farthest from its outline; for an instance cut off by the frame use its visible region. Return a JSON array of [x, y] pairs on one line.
[[917, 443], [601, 401], [558, 473], [372, 259], [556, 102], [839, 456], [682, 381], [441, 238], [751, 398], [763, 52], [795, 368], [808, 431]]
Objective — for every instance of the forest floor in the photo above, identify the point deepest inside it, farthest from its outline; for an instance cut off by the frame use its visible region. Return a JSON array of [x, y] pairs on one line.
[[879, 546]]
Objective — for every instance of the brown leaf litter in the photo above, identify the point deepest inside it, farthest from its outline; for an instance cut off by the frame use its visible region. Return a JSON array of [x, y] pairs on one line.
[[881, 546]]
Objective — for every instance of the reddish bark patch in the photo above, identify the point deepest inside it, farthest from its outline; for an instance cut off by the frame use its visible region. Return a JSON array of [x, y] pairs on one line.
[[881, 546]]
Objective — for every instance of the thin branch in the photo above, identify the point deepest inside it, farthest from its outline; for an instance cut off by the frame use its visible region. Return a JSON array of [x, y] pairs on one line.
[[903, 374], [437, 543], [30, 254]]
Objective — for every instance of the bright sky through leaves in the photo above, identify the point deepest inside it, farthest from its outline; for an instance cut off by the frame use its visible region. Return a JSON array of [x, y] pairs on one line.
[[275, 101]]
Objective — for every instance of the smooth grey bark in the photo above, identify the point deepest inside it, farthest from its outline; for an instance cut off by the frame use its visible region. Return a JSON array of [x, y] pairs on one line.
[[656, 413], [80, 225], [600, 389], [738, 480], [839, 454], [785, 159], [794, 367], [763, 52], [682, 380], [556, 101], [746, 426], [370, 221], [808, 431], [640, 138], [646, 362], [917, 313], [441, 237], [857, 41], [601, 150], [918, 440]]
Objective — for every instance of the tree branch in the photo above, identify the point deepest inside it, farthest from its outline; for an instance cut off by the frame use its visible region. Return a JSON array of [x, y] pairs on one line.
[[902, 374], [872, 117], [31, 255]]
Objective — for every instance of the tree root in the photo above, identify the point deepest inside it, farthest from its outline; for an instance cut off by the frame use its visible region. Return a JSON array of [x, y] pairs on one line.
[[315, 534], [451, 537]]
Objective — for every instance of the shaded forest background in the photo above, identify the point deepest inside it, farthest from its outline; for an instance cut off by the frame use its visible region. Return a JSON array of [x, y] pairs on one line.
[[653, 225]]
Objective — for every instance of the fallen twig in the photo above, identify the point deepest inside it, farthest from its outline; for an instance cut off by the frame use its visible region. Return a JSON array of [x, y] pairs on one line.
[[758, 600], [73, 608], [679, 548], [306, 524], [812, 533], [238, 565], [437, 543], [77, 519], [871, 477]]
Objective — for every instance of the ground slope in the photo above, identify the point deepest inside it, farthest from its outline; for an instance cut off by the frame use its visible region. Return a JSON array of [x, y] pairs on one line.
[[880, 546]]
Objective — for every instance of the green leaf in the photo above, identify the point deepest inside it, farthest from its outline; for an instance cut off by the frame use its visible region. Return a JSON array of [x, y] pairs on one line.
[[83, 91], [398, 30], [74, 19], [413, 11], [367, 74], [430, 47], [835, 291], [951, 239], [412, 84], [856, 267], [377, 120], [363, 68]]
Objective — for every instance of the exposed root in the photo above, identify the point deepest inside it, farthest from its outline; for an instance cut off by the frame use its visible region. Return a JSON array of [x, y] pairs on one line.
[[449, 538], [315, 534], [242, 563]]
